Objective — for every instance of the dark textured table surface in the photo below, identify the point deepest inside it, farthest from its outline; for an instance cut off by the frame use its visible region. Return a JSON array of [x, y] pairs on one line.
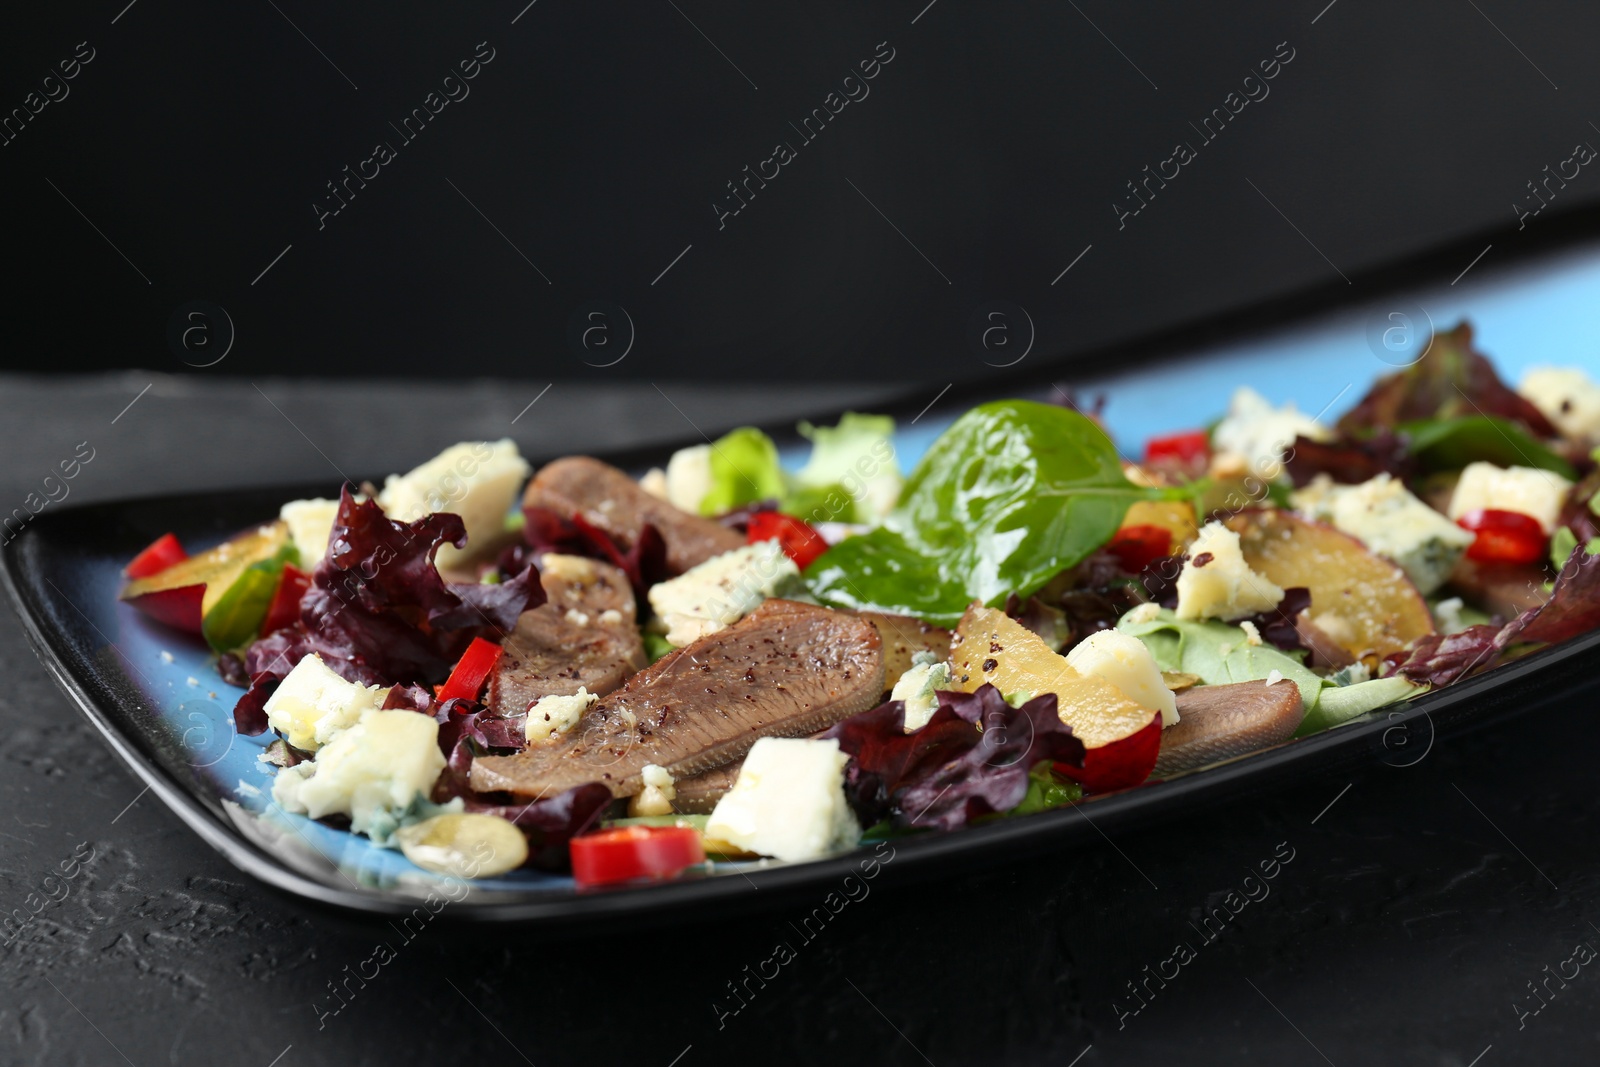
[[1412, 910]]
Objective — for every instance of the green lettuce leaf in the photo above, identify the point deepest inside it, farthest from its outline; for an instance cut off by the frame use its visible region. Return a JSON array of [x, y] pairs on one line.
[[857, 457], [1339, 704], [744, 470], [1012, 494], [1220, 654]]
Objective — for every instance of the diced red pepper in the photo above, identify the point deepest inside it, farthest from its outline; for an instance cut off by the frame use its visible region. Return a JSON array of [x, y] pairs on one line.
[[629, 852], [1188, 447], [798, 540], [160, 554], [1136, 547], [471, 670], [1503, 536], [285, 606]]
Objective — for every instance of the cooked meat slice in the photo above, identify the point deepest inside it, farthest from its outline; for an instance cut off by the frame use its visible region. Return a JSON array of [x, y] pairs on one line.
[[584, 635], [1503, 589], [903, 637], [785, 670], [699, 793], [614, 502], [1218, 722]]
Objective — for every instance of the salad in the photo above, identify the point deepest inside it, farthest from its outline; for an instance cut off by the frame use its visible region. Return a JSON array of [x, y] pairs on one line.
[[724, 659]]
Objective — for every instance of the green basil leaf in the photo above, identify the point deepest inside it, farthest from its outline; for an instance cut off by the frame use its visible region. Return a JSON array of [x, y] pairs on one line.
[[1012, 494], [1452, 443]]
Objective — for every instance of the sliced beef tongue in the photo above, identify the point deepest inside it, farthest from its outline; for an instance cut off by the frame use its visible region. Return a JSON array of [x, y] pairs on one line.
[[584, 635], [609, 499], [785, 670]]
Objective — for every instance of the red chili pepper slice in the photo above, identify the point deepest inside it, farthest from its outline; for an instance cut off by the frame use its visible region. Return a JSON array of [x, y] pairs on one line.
[[1136, 547], [160, 554], [629, 852], [1503, 536], [471, 671], [799, 541], [1190, 446]]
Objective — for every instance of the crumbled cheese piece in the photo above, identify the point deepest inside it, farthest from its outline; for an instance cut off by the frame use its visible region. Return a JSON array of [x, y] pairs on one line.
[[1126, 662], [1354, 674], [371, 772], [654, 482], [1142, 613], [576, 617], [689, 477], [313, 704], [552, 716], [575, 569], [1567, 396], [1259, 432], [310, 525], [788, 801], [657, 795], [192, 680], [166, 657], [721, 591], [1216, 582], [1274, 677], [611, 617], [927, 675], [1533, 492], [1384, 515], [476, 480], [1447, 615], [1252, 636]]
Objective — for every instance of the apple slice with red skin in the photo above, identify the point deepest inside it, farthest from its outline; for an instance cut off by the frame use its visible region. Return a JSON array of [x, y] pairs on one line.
[[1121, 738], [182, 594]]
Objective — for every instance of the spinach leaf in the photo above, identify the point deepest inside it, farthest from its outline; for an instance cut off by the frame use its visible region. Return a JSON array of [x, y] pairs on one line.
[[1452, 443], [1012, 494]]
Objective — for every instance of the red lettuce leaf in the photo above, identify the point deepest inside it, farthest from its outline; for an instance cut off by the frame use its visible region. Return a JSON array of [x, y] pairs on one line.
[[1450, 380], [1439, 659], [377, 611], [1573, 609], [971, 759], [547, 530], [1350, 461], [1279, 626]]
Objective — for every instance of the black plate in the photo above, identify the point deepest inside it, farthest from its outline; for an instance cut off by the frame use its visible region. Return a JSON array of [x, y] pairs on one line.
[[62, 573]]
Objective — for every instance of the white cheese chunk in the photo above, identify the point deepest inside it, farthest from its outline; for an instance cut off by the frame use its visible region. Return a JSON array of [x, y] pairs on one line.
[[1384, 515], [788, 801], [1126, 662], [477, 480], [1528, 490], [1566, 396], [371, 772], [310, 525], [721, 591], [654, 482], [689, 477], [927, 675], [1216, 582], [552, 716], [657, 795], [313, 704], [1261, 433]]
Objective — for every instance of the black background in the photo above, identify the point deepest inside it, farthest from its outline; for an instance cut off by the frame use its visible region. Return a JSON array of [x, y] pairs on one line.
[[594, 145]]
